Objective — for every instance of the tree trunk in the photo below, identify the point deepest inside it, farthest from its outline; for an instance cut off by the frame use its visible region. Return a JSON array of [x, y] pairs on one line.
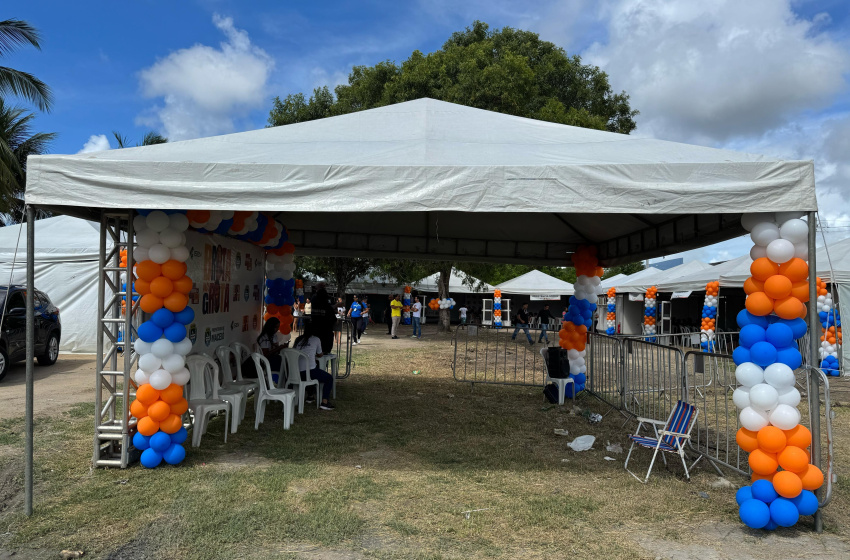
[[443, 291]]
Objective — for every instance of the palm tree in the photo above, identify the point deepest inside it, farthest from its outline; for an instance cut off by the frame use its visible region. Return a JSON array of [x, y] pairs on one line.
[[14, 34], [149, 139], [17, 142]]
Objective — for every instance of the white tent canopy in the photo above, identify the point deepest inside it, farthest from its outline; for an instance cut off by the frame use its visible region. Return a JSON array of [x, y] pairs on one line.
[[696, 281], [66, 263], [430, 179], [456, 285], [612, 281], [536, 283], [641, 281]]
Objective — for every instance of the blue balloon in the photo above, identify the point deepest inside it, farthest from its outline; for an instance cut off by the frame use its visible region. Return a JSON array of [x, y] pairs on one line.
[[763, 490], [162, 318], [179, 436], [791, 357], [186, 316], [823, 315], [780, 335], [269, 299], [754, 513], [224, 226], [175, 454], [771, 525], [141, 442], [751, 334], [149, 332], [269, 282], [741, 355], [746, 318], [743, 494], [784, 513], [580, 379], [763, 353], [175, 332], [798, 327], [160, 441], [151, 459], [806, 503]]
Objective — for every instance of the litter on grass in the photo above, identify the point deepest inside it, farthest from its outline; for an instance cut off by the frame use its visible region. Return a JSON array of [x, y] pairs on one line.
[[582, 443], [561, 432], [613, 447]]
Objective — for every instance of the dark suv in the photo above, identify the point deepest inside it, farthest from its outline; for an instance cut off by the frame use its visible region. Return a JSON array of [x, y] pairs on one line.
[[13, 337]]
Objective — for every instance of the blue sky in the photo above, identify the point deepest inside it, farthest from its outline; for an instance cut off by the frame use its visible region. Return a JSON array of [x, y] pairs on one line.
[[767, 76]]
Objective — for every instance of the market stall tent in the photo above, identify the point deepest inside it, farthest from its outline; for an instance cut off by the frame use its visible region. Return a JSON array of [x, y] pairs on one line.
[[536, 283], [457, 284], [643, 280]]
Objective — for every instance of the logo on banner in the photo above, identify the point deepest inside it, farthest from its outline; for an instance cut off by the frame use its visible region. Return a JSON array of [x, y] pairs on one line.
[[214, 334], [217, 263], [194, 253], [255, 322], [238, 259], [236, 292], [247, 292], [248, 262], [193, 333], [234, 325], [256, 293], [244, 323]]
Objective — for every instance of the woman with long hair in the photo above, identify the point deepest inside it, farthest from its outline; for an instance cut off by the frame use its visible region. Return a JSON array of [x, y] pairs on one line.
[[311, 346], [271, 343]]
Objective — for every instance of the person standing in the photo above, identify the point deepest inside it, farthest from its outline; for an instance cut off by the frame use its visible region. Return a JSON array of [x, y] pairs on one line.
[[521, 319], [462, 312], [396, 306], [340, 319], [323, 317], [355, 312], [364, 316], [416, 317], [308, 308], [545, 316]]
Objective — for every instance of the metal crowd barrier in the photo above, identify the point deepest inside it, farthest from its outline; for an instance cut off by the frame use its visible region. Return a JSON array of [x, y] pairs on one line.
[[605, 360], [488, 355], [653, 378]]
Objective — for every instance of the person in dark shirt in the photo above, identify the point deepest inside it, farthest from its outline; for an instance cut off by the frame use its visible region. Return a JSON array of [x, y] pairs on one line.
[[545, 317], [521, 319], [324, 318]]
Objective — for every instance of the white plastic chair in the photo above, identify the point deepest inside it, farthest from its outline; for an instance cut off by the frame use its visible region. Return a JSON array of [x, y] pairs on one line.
[[199, 403], [331, 360], [234, 395], [247, 386], [293, 376], [267, 392], [561, 382]]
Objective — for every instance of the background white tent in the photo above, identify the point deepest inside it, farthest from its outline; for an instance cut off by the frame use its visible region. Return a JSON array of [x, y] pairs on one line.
[[641, 281], [456, 285], [696, 281], [536, 283], [612, 281], [66, 264]]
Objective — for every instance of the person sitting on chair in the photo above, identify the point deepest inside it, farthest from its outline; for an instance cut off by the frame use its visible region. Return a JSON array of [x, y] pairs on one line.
[[271, 343], [309, 344]]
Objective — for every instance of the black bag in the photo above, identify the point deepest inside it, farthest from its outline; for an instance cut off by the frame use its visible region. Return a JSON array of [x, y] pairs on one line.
[[249, 369], [550, 391], [558, 365]]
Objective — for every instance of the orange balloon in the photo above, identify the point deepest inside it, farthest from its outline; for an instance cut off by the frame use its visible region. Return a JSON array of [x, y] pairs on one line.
[[800, 290], [142, 287], [176, 302], [146, 394], [793, 459], [150, 303], [763, 463], [788, 308], [756, 476], [763, 268], [777, 287], [138, 409], [180, 407], [285, 328], [161, 287], [147, 427], [787, 484], [148, 270], [747, 440], [812, 478], [171, 425], [759, 304], [796, 269], [173, 270], [751, 285], [172, 393], [183, 285], [771, 439], [198, 216], [159, 411]]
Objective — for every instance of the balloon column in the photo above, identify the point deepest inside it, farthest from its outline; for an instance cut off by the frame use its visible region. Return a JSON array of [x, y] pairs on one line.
[[611, 323], [579, 317], [649, 308], [161, 344], [766, 359], [709, 317], [830, 340], [405, 301], [497, 309], [448, 303], [280, 284]]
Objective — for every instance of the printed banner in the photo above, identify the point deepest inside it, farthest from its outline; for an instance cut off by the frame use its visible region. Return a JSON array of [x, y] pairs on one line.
[[635, 297], [680, 295], [227, 292], [546, 297]]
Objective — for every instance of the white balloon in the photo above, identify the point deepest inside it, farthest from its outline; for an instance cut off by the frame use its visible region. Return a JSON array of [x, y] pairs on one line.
[[140, 222], [173, 363], [162, 348], [160, 379], [749, 374], [795, 231], [159, 253], [779, 375], [140, 254], [141, 377], [764, 397], [183, 347], [741, 397], [821, 299], [226, 214], [757, 252], [780, 251], [801, 250], [572, 354], [141, 347], [748, 221], [180, 253], [170, 238], [753, 419], [158, 220], [181, 377], [782, 217], [789, 396], [149, 363], [785, 417], [178, 222], [286, 275], [763, 233], [147, 238]]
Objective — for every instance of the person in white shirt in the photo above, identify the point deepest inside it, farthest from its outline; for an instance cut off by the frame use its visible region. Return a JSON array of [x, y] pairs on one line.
[[463, 311], [340, 319], [309, 344], [416, 315]]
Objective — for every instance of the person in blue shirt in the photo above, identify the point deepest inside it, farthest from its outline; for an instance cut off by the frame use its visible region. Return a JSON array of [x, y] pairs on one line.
[[356, 314]]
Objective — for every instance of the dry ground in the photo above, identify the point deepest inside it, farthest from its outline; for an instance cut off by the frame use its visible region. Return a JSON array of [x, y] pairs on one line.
[[389, 474]]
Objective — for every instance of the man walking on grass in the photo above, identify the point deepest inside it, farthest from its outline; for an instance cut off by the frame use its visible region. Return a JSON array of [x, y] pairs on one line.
[[521, 319], [416, 316], [355, 312], [545, 317], [463, 311], [396, 306]]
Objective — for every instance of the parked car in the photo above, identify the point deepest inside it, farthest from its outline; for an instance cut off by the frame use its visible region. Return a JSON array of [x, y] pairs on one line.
[[13, 334]]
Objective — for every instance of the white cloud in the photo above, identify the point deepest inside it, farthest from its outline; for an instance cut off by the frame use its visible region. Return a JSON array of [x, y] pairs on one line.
[[96, 143], [203, 88]]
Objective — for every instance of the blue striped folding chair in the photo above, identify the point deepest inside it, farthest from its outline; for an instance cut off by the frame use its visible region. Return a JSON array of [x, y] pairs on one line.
[[676, 430]]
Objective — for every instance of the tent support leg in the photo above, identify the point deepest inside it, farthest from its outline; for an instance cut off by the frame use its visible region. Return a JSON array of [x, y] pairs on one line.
[[30, 339], [814, 377]]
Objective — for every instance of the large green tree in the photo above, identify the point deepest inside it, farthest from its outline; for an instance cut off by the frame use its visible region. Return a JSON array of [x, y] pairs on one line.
[[506, 70], [339, 271]]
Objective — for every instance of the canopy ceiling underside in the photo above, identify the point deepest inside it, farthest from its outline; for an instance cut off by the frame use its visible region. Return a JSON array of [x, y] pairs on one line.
[[433, 180]]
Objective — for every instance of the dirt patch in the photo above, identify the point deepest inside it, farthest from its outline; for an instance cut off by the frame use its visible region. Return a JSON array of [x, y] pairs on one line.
[[66, 383], [237, 460], [11, 487]]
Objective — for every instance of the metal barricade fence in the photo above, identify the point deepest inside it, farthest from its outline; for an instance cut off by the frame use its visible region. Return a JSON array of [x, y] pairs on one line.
[[343, 348], [488, 355], [653, 378], [605, 369]]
